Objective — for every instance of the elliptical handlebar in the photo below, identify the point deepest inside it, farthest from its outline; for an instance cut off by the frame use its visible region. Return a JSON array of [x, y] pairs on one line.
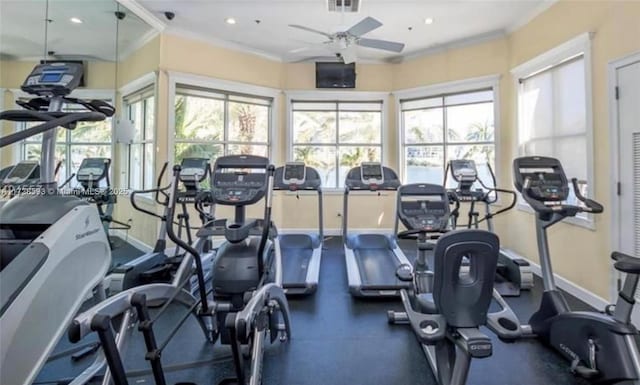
[[157, 191], [267, 218], [173, 191]]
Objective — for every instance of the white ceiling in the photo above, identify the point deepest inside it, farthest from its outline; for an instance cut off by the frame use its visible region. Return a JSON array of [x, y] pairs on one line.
[[454, 22], [22, 29]]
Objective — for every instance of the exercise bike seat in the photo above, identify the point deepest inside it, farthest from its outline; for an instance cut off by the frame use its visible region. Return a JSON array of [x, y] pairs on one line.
[[426, 304], [626, 263]]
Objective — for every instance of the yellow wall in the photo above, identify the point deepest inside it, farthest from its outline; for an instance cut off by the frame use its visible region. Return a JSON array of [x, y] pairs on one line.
[[585, 258]]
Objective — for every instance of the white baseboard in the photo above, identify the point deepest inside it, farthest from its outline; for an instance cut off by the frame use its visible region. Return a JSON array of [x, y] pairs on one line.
[[575, 290], [132, 240]]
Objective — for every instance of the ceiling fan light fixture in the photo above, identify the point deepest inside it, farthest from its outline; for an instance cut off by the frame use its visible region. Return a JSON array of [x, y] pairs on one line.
[[428, 20]]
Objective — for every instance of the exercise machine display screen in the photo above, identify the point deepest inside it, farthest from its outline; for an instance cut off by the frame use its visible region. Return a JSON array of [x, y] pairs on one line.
[[294, 173], [545, 185], [372, 173], [51, 77], [20, 173], [426, 213], [54, 79], [239, 186], [194, 169], [464, 170], [93, 169]]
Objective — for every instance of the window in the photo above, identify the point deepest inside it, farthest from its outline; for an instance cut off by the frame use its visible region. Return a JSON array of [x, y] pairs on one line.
[[335, 136], [88, 139], [210, 123], [553, 110], [437, 129], [140, 110]]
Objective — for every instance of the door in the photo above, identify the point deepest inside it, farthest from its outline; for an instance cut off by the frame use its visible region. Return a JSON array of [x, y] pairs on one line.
[[628, 111]]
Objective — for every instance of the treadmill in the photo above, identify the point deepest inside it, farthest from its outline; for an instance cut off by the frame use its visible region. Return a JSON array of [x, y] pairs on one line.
[[301, 253], [372, 259]]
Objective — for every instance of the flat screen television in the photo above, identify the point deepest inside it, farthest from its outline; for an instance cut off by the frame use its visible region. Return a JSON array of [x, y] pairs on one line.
[[335, 75], [70, 61]]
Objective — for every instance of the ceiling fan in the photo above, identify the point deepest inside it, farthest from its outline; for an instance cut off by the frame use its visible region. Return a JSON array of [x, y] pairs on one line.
[[344, 43]]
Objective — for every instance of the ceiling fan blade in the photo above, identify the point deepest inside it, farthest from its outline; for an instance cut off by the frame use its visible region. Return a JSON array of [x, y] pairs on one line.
[[302, 27], [381, 44], [365, 25]]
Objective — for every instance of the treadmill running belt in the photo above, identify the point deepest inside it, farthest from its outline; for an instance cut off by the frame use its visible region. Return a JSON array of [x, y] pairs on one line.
[[295, 263], [377, 267]]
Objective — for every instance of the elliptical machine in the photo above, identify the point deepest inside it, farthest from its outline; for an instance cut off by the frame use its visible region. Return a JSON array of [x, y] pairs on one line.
[[243, 306], [90, 175], [45, 234], [602, 347], [445, 307], [513, 274], [247, 277], [160, 264]]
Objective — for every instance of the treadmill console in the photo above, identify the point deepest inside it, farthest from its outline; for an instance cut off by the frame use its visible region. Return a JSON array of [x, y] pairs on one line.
[[53, 79], [92, 171], [543, 178], [372, 173], [21, 173], [294, 173], [423, 206]]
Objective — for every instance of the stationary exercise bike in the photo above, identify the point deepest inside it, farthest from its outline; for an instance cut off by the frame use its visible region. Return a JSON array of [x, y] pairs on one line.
[[446, 306], [602, 347]]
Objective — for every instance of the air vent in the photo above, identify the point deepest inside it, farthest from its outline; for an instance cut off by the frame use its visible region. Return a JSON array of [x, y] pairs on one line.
[[344, 5]]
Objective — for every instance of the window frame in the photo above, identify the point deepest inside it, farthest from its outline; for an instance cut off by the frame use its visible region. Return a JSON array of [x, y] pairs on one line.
[[455, 87], [177, 79], [293, 96], [82, 93], [580, 44], [141, 88]]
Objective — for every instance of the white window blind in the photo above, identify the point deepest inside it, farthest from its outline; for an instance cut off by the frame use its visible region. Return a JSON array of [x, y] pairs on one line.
[[553, 116]]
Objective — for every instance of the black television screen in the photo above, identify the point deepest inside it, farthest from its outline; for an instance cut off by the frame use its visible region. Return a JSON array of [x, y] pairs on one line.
[[335, 75], [70, 61]]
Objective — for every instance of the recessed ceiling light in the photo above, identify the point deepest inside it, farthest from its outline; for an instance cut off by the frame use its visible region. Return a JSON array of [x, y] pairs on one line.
[[230, 20], [76, 20], [428, 20]]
